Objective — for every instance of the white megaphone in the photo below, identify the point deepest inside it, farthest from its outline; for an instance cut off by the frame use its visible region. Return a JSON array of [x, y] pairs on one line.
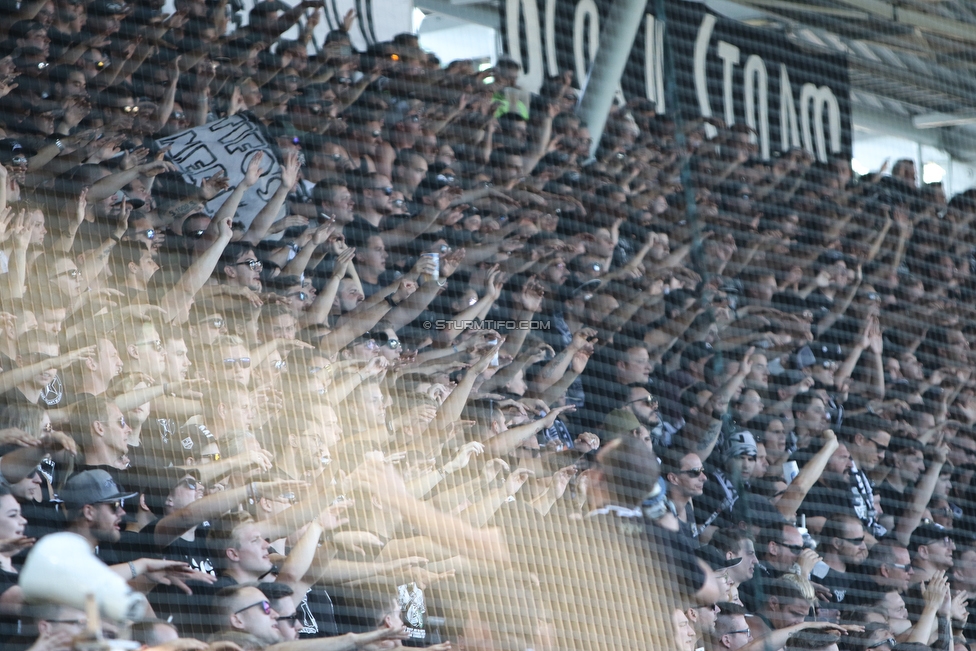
[[62, 569]]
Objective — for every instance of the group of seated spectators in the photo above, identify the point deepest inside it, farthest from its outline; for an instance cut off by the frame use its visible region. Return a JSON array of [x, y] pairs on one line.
[[466, 379]]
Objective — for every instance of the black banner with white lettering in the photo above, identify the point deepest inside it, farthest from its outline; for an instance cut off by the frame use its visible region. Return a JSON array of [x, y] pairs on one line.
[[722, 68]]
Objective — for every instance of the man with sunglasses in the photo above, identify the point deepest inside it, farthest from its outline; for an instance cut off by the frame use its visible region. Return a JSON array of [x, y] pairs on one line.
[[245, 608], [686, 479], [843, 549], [778, 546], [240, 267], [290, 619], [93, 506], [889, 566], [373, 201]]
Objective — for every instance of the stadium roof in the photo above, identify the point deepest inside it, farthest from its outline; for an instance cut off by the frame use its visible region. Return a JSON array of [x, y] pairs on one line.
[[913, 59]]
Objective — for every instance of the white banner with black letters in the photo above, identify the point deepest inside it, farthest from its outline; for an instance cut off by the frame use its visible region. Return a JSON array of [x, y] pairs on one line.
[[722, 68], [227, 144]]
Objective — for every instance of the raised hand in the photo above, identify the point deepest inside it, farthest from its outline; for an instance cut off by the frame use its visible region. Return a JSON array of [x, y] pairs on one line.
[[214, 185], [551, 417], [254, 171], [532, 294], [290, 169], [517, 479], [463, 457], [450, 262]]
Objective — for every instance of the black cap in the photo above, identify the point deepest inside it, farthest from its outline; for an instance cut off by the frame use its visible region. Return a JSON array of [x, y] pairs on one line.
[[11, 149], [715, 559], [107, 8], [926, 533], [697, 351], [94, 486]]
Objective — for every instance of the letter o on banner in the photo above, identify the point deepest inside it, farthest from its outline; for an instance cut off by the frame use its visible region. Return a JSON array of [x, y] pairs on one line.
[[813, 101]]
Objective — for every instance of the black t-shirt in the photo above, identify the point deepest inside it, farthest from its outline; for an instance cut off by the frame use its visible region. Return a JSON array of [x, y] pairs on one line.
[[839, 584], [15, 397], [9, 623], [676, 554], [894, 503], [863, 591]]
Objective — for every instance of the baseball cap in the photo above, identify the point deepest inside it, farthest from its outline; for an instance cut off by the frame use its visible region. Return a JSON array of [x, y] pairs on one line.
[[11, 149], [620, 422], [94, 486], [715, 559], [925, 534], [107, 8]]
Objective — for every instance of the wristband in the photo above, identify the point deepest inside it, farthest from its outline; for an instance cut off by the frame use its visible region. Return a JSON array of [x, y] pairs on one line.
[[132, 568], [59, 145], [389, 299]]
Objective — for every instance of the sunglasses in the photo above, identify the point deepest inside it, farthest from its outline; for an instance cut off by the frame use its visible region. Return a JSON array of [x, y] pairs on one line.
[[255, 265], [213, 457], [19, 160], [116, 505], [71, 273], [889, 641], [692, 472], [302, 296], [177, 115], [280, 365], [243, 362], [903, 568], [214, 322], [197, 234], [651, 400], [291, 620], [189, 482], [265, 606], [945, 541], [796, 549], [854, 541], [393, 343], [155, 343], [388, 190], [883, 448]]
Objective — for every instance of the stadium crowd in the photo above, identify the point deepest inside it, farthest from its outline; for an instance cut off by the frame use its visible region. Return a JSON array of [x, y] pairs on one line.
[[457, 383]]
